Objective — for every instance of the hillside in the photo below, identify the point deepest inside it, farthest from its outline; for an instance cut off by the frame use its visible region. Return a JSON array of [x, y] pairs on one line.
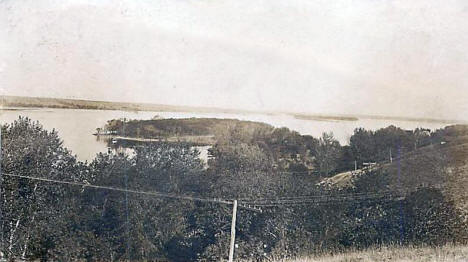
[[443, 164], [179, 210]]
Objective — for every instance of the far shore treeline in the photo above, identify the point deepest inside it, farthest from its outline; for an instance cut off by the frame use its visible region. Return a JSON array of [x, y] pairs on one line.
[[251, 162]]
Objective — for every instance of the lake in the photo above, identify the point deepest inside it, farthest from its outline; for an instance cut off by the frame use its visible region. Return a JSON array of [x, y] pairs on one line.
[[76, 126]]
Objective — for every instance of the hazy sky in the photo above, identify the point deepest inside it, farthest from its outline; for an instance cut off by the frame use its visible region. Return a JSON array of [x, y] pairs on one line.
[[406, 57]]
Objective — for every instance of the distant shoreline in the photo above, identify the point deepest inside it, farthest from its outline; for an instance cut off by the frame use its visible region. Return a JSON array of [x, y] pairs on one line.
[[413, 119], [62, 103], [36, 103], [325, 117]]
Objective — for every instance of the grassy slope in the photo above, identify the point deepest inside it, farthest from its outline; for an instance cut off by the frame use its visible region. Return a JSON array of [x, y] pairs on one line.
[[458, 173], [428, 166], [406, 254]]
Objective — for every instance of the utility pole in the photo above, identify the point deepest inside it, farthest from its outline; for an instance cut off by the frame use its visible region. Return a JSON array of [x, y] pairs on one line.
[[355, 165], [233, 231], [391, 158], [127, 229], [1, 200]]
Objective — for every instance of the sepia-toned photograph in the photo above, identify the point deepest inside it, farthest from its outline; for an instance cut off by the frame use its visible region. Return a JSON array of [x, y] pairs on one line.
[[234, 130]]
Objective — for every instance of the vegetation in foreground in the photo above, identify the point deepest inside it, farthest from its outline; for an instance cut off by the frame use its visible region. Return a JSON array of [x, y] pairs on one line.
[[56, 222], [447, 253]]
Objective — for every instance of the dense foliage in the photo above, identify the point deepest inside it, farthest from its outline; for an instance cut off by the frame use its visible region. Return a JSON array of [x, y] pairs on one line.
[[156, 128], [45, 221]]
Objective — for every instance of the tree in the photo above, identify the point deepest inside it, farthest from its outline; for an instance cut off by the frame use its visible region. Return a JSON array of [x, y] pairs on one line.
[[327, 154], [422, 137], [152, 227], [33, 221], [363, 145]]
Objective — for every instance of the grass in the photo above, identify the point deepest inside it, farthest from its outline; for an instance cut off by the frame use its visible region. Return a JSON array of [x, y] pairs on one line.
[[401, 254]]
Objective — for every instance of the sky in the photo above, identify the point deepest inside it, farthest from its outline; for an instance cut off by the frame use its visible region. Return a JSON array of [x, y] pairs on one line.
[[380, 57]]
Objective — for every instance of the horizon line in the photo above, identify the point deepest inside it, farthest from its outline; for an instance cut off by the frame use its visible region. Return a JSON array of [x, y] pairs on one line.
[[214, 109]]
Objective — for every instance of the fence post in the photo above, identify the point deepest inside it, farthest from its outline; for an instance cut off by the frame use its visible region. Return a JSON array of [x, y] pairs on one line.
[[233, 231]]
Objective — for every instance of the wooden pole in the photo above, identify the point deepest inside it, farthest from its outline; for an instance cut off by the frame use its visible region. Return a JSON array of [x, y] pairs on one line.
[[1, 199], [233, 231]]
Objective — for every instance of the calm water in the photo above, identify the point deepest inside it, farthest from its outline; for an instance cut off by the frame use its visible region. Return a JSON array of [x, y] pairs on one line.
[[76, 126]]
